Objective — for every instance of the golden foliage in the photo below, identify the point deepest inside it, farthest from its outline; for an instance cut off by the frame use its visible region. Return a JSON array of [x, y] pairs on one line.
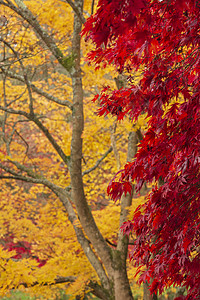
[[32, 213]]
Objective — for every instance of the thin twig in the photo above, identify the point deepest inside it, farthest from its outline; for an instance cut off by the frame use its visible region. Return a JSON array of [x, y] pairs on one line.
[[98, 162], [92, 7], [38, 90]]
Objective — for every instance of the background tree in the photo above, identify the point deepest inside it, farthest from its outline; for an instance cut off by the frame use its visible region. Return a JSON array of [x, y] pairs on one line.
[[163, 36], [48, 173]]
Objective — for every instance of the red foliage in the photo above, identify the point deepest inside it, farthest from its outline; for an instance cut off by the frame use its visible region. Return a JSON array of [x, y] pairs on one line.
[[164, 37], [22, 249]]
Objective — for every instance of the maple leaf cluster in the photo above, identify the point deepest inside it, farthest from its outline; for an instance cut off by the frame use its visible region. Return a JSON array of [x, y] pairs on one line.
[[22, 249], [162, 37]]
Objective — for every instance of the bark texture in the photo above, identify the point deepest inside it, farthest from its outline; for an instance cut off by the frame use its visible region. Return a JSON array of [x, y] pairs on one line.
[[109, 263], [78, 195]]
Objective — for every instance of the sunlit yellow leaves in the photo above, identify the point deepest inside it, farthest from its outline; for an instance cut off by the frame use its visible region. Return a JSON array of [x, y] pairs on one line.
[[141, 123], [32, 213], [11, 275], [57, 15]]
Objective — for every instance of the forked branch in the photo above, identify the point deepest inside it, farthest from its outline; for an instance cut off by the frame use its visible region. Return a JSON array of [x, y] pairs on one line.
[[98, 162], [76, 10], [37, 90]]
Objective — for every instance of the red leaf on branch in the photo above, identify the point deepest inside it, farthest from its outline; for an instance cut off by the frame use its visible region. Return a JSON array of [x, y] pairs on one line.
[[163, 38]]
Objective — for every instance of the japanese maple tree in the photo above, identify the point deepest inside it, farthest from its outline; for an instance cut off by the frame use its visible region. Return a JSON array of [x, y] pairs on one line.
[[162, 37]]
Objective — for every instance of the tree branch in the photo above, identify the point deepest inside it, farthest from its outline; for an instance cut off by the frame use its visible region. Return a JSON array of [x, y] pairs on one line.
[[58, 280], [139, 135], [48, 135], [46, 132], [115, 245], [31, 177], [38, 90], [83, 241], [64, 197], [114, 144], [24, 73], [98, 291], [76, 10], [92, 7], [98, 162], [77, 188], [22, 10], [111, 244], [126, 201]]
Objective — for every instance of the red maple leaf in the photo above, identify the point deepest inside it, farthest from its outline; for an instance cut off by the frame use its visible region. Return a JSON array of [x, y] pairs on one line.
[[163, 37]]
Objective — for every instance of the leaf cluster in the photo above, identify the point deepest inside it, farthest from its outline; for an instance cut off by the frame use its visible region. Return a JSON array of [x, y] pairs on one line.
[[163, 37]]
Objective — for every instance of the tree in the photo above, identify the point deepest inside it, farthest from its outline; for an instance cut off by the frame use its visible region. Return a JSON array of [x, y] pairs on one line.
[[163, 38], [41, 68]]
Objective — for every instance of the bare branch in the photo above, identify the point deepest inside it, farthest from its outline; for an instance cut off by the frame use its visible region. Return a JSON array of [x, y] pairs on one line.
[[46, 132], [123, 241], [31, 176], [76, 10], [98, 162], [10, 177], [92, 7], [15, 112], [58, 280], [64, 197], [24, 73], [84, 212], [27, 15], [83, 241], [38, 90], [25, 142], [111, 244], [8, 140], [97, 290], [139, 135], [58, 149], [114, 144]]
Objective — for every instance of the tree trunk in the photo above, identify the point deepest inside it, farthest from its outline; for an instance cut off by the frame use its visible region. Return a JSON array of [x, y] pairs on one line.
[[78, 196], [109, 264], [121, 283]]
